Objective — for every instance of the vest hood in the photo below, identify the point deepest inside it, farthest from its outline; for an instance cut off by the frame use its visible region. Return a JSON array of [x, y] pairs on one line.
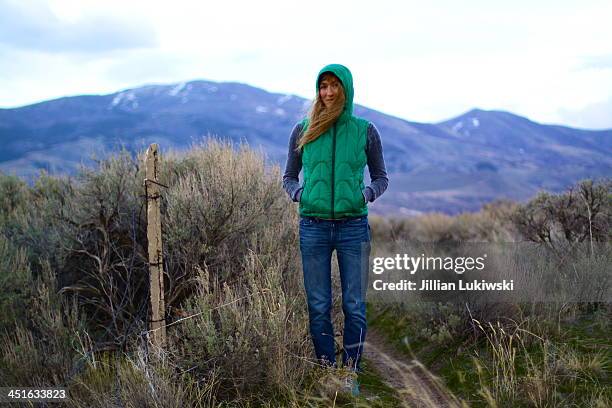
[[345, 76]]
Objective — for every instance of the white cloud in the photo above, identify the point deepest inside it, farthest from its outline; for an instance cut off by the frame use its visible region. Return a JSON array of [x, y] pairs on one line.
[[423, 62], [34, 26]]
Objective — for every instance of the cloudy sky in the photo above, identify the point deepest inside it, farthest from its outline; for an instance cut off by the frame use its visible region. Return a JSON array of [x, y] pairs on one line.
[[424, 61]]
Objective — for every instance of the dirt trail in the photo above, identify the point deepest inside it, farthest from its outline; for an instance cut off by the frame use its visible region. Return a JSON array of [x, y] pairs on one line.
[[414, 384]]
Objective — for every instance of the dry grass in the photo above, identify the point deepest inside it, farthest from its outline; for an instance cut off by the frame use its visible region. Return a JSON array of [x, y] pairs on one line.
[[237, 319], [492, 224], [528, 358], [230, 262]]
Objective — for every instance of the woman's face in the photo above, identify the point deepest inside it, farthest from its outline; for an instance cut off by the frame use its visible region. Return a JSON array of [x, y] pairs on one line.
[[329, 89]]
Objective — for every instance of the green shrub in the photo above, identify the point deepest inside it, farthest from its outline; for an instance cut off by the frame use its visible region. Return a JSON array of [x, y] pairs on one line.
[[15, 284], [582, 214], [230, 260]]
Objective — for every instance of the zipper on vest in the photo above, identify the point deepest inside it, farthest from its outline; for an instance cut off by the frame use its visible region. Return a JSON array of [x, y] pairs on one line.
[[332, 171]]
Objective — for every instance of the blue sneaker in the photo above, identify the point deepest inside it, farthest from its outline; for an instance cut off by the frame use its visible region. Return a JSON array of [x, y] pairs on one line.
[[352, 385]]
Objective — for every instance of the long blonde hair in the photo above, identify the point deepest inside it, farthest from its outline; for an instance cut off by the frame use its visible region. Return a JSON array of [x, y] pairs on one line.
[[320, 117]]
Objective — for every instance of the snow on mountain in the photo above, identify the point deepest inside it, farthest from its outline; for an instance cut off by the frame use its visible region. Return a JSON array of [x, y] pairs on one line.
[[457, 126], [126, 99], [283, 99], [178, 88]]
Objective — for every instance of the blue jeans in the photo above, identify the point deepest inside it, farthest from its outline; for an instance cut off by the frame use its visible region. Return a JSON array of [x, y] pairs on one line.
[[351, 240]]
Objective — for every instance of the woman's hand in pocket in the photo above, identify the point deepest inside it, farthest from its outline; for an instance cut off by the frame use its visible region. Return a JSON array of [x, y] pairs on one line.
[[298, 195], [366, 193]]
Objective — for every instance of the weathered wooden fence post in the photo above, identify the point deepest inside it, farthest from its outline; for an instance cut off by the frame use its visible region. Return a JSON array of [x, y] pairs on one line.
[[156, 266]]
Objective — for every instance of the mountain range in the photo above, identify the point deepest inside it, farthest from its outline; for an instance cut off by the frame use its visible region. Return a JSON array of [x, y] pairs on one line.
[[451, 166]]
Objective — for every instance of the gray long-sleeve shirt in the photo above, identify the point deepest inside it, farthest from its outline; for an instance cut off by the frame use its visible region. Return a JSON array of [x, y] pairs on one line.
[[376, 165]]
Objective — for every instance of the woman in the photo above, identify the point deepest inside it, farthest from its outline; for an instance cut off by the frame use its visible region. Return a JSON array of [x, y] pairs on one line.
[[332, 147]]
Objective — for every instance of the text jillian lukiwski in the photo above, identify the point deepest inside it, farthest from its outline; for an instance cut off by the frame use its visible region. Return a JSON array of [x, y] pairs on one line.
[[438, 285]]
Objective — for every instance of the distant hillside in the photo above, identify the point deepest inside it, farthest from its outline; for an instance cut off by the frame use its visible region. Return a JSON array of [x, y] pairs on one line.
[[451, 166]]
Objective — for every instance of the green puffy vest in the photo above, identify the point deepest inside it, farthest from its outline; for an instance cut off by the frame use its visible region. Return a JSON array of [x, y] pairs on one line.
[[333, 164]]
